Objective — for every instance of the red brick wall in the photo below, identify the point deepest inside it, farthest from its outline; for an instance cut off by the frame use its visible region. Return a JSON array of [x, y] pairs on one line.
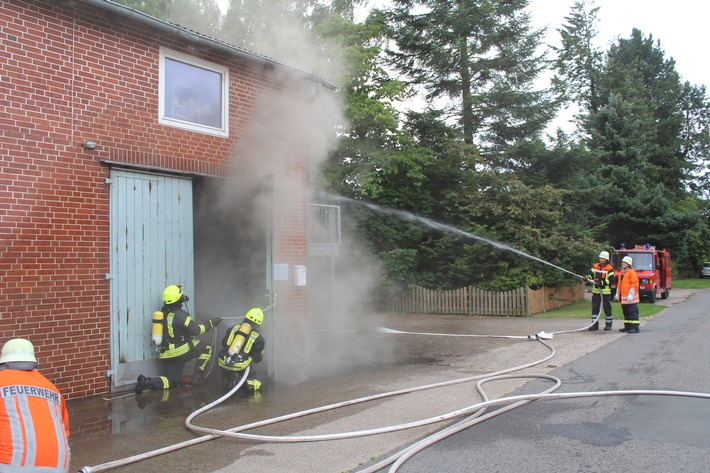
[[290, 239], [70, 74]]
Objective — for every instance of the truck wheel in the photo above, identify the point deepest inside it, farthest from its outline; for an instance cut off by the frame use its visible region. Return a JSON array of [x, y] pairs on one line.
[[664, 294], [652, 298]]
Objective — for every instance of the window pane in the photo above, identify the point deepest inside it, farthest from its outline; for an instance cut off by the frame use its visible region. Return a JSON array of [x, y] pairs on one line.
[[193, 94]]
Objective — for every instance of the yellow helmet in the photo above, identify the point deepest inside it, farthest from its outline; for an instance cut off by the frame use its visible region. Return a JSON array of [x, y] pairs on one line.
[[628, 260], [172, 294], [255, 315], [18, 349], [604, 254]]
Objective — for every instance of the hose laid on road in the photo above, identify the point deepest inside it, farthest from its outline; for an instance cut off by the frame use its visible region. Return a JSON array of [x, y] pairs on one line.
[[160, 451], [474, 413], [187, 443]]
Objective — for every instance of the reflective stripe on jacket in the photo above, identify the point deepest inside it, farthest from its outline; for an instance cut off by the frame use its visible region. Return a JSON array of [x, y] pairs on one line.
[[34, 424], [254, 347], [627, 280], [180, 330], [604, 275]]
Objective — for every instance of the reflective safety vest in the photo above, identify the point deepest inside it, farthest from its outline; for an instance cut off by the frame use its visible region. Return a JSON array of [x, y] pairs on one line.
[[603, 275], [34, 424]]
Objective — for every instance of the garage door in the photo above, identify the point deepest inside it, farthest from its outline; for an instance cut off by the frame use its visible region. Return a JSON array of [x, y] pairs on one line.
[[151, 247]]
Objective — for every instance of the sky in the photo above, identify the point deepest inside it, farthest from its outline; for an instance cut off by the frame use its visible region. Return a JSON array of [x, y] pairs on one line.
[[679, 25]]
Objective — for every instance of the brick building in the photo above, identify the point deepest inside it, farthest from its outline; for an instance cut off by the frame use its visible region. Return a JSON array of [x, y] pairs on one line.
[[136, 154]]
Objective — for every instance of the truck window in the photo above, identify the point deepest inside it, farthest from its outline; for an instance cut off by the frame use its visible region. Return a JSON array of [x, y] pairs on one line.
[[642, 261]]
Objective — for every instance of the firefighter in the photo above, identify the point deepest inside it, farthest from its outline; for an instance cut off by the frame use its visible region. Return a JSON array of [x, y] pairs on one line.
[[602, 277], [242, 345], [178, 346], [34, 422], [628, 295]]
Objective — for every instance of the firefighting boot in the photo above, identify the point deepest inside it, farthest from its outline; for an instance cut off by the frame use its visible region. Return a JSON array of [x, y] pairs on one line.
[[253, 385], [199, 379], [229, 380], [594, 326], [143, 383], [607, 326], [625, 329]]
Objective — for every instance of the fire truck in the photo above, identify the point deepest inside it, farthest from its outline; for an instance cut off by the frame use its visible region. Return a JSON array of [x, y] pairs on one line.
[[652, 266]]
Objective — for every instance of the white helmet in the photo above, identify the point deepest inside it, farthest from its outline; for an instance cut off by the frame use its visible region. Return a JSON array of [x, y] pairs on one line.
[[18, 349], [628, 260], [605, 255]]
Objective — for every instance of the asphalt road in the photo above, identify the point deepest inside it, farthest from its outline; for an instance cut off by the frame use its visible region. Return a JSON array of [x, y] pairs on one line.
[[593, 434], [604, 434]]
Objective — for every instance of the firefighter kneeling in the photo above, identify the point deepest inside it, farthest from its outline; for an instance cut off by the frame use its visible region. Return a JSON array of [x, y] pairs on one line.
[[241, 345]]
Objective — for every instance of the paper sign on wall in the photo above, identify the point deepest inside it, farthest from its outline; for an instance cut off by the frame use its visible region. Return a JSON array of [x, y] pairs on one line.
[[300, 275], [281, 272]]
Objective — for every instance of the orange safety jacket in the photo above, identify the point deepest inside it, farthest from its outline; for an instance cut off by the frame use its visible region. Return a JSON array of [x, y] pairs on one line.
[[34, 424], [604, 275], [627, 280]]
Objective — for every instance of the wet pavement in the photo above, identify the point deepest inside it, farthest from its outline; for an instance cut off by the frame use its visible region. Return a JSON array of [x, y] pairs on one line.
[[109, 430]]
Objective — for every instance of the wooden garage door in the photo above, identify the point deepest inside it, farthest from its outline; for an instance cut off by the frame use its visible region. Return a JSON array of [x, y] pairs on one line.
[[151, 247]]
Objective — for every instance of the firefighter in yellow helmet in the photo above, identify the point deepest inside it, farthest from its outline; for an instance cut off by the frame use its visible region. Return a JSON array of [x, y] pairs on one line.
[[628, 295], [178, 345], [602, 277], [242, 345]]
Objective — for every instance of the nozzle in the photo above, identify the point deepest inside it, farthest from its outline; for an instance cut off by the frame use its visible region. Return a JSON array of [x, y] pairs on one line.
[[540, 336]]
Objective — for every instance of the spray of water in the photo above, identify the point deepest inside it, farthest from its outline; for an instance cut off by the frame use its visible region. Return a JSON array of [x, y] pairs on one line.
[[410, 217]]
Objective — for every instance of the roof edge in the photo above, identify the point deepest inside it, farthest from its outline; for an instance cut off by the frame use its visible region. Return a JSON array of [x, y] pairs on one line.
[[199, 38]]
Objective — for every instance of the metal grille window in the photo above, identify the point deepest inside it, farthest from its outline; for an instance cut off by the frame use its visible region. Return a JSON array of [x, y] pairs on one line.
[[323, 229]]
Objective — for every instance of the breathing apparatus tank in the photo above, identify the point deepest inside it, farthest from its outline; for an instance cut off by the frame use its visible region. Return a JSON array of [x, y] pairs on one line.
[[255, 316], [242, 333], [157, 333]]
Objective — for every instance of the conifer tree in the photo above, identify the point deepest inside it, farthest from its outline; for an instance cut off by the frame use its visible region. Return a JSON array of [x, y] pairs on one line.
[[479, 55]]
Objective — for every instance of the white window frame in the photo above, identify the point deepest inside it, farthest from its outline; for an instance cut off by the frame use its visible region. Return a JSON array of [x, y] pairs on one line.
[[184, 124]]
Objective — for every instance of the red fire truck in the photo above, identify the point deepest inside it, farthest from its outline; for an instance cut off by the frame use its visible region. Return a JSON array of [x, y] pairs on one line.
[[652, 266]]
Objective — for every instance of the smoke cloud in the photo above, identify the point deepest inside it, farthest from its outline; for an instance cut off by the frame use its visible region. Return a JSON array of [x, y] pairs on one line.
[[291, 123]]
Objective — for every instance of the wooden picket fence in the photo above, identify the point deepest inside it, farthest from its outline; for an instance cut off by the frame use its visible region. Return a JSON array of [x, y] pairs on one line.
[[521, 302]]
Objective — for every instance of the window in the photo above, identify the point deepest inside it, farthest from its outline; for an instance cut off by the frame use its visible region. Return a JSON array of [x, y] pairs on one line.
[[642, 261], [194, 94]]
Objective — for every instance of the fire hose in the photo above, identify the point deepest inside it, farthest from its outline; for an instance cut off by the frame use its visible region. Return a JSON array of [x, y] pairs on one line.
[[474, 413]]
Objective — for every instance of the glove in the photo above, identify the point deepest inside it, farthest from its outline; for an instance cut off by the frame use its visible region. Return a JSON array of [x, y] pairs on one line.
[[632, 293], [598, 284], [215, 321]]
